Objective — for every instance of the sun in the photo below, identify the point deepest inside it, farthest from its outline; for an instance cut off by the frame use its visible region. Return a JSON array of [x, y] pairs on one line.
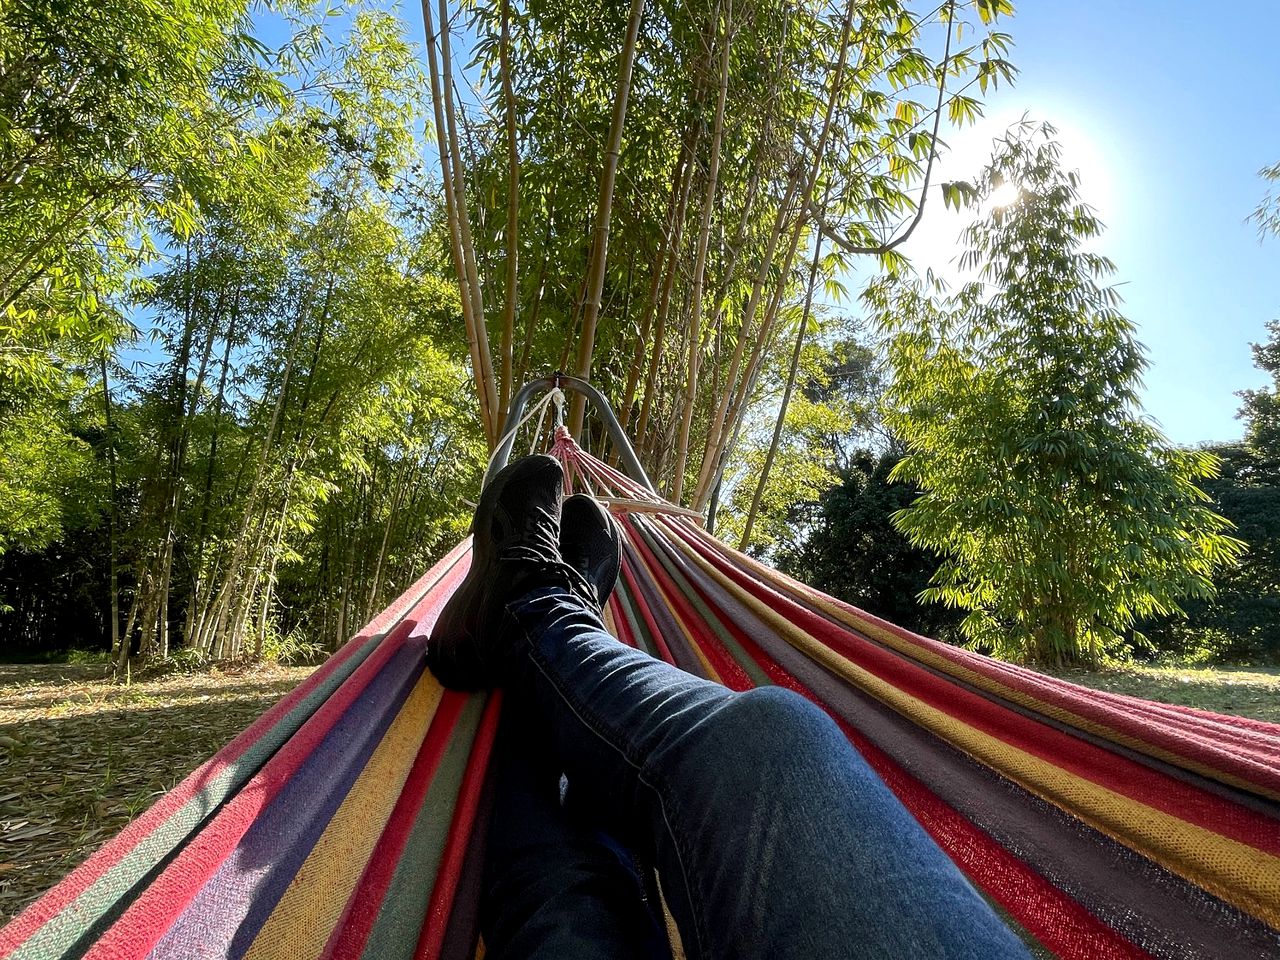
[[1004, 195], [1087, 147]]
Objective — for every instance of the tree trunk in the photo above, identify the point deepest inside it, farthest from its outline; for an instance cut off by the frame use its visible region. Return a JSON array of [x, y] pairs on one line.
[[112, 519], [763, 481], [472, 310], [665, 250], [718, 435], [513, 212], [664, 300]]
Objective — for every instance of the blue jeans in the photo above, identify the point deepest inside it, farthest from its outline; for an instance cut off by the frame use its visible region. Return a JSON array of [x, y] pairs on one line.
[[770, 835]]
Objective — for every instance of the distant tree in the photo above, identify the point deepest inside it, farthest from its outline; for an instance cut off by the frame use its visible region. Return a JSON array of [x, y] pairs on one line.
[[1261, 408], [1063, 515], [1241, 622], [829, 416], [851, 549]]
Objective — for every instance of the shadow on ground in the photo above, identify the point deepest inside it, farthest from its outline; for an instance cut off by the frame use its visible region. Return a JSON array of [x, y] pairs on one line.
[[80, 756]]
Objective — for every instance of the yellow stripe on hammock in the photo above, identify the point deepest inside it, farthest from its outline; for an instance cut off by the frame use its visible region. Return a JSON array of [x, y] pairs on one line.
[[300, 925], [1238, 873]]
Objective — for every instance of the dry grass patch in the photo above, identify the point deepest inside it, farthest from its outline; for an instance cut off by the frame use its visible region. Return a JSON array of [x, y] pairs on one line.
[[81, 756]]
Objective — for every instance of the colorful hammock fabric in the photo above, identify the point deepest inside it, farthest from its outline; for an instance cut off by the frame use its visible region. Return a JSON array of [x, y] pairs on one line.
[[348, 821]]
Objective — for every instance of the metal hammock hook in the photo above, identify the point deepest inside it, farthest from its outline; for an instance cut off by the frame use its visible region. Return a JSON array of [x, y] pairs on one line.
[[561, 382]]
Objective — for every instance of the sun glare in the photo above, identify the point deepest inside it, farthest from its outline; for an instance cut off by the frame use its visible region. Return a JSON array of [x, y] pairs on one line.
[[1003, 196], [1085, 149]]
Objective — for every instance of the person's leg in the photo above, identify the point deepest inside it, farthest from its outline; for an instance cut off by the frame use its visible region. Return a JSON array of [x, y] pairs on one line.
[[554, 887], [772, 836]]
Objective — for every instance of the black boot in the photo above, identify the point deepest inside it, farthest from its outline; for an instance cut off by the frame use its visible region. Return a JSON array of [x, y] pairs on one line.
[[515, 548], [591, 543]]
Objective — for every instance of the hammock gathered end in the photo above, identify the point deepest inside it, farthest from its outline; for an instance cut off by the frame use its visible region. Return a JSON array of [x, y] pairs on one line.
[[348, 821]]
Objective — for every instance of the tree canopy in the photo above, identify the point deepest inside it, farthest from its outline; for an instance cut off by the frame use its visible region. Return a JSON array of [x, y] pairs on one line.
[[264, 305], [1062, 515]]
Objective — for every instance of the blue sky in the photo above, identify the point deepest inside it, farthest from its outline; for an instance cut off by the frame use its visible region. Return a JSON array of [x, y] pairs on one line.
[[1168, 110]]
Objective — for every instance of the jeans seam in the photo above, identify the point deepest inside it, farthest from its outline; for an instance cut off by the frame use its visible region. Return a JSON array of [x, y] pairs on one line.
[[640, 776]]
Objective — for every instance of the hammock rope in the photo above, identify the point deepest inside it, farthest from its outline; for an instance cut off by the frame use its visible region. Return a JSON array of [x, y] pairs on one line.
[[348, 821]]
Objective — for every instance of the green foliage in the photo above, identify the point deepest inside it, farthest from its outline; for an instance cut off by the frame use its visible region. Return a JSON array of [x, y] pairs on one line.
[[1261, 409], [783, 58], [89, 658], [801, 472], [296, 439], [46, 473], [117, 116], [300, 442], [833, 409], [336, 384], [1063, 516], [1241, 622], [292, 648], [851, 549]]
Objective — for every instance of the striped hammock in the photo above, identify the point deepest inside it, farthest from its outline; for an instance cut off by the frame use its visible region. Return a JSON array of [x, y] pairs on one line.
[[348, 821]]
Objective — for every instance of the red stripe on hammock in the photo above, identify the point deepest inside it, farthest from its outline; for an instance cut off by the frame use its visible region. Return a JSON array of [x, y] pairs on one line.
[[1237, 746], [1057, 921], [1079, 757], [145, 921], [61, 896], [347, 942], [633, 591], [729, 670]]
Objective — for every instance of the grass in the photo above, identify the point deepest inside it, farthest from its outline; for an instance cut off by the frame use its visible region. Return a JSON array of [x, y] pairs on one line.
[[80, 756], [1243, 691]]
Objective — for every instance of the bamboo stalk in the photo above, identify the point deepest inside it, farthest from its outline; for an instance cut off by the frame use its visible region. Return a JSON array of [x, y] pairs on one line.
[[464, 217], [664, 301], [531, 319], [505, 385], [477, 341], [700, 264], [119, 651], [683, 170], [718, 436], [717, 425], [604, 210], [763, 480]]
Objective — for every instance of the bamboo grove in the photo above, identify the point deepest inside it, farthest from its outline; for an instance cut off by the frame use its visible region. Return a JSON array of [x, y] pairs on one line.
[[641, 195], [270, 276], [291, 441]]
